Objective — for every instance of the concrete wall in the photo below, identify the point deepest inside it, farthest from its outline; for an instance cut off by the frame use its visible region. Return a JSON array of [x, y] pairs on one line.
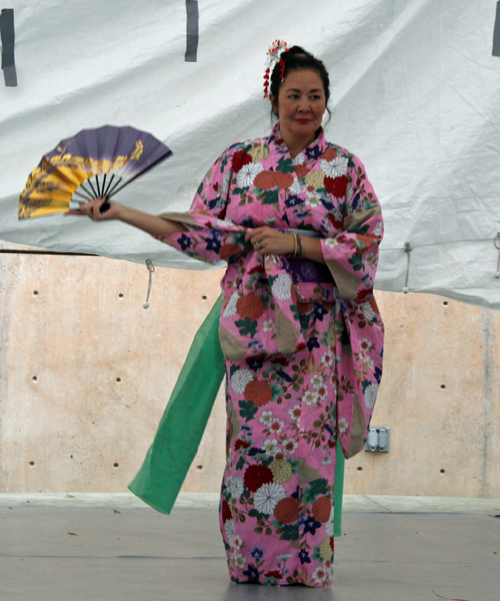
[[85, 373]]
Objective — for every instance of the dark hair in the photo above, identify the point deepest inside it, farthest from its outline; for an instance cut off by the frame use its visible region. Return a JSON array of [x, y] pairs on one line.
[[298, 59]]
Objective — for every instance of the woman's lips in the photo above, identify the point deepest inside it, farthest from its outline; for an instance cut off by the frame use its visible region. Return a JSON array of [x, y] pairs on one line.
[[303, 120]]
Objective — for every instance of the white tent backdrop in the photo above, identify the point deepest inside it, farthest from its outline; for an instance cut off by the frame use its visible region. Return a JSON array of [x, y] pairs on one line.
[[415, 94]]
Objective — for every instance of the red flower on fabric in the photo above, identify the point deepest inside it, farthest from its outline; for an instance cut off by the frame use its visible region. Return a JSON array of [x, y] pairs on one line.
[[226, 511], [227, 250], [265, 180], [250, 306], [287, 510], [336, 185], [301, 346], [301, 171], [216, 186], [337, 224], [241, 444], [280, 361], [284, 180], [240, 159], [257, 475], [258, 392], [273, 574], [256, 269], [329, 154], [321, 509]]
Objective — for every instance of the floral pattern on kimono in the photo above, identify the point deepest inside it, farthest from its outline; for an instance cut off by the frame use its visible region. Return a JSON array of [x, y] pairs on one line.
[[303, 345]]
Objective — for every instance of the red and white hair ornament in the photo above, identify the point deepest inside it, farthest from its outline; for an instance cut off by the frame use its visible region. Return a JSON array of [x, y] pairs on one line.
[[274, 56]]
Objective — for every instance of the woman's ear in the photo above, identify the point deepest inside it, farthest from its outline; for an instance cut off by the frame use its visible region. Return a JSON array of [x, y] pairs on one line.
[[274, 104]]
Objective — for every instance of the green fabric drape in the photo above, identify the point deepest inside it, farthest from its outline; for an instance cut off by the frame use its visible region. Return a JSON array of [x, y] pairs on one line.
[[181, 428]]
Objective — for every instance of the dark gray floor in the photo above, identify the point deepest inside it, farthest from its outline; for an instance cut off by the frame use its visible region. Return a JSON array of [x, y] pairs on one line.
[[87, 553]]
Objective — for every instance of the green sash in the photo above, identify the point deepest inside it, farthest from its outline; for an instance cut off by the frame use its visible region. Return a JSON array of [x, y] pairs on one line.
[[182, 425]]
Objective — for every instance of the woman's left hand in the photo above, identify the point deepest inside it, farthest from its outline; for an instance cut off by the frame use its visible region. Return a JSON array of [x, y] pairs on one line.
[[268, 241]]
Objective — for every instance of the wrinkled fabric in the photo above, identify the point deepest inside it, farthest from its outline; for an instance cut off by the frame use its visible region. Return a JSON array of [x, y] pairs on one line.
[[303, 357]]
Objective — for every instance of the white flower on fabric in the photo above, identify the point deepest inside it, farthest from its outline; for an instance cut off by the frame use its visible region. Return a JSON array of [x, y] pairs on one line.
[[295, 413], [295, 188], [377, 229], [271, 447], [371, 395], [300, 159], [266, 418], [270, 220], [237, 542], [224, 223], [276, 426], [236, 487], [367, 311], [284, 556], [326, 461], [366, 345], [239, 561], [335, 167], [343, 425], [246, 175], [322, 392], [310, 397], [269, 326], [312, 200], [240, 379], [317, 381], [349, 193], [371, 259], [330, 524], [282, 287], [331, 242], [290, 446], [267, 496], [367, 360], [230, 310], [320, 574], [226, 183], [229, 528], [327, 359]]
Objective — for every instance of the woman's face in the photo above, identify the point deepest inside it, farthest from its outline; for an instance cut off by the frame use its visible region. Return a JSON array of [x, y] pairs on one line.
[[300, 105]]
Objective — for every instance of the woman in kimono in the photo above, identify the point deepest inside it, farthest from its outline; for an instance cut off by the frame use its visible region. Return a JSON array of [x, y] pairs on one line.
[[299, 225]]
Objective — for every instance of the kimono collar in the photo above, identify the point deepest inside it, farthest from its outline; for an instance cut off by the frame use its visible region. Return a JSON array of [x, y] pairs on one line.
[[313, 151]]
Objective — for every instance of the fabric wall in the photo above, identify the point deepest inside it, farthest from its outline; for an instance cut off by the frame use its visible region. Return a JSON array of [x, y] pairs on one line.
[[415, 93]]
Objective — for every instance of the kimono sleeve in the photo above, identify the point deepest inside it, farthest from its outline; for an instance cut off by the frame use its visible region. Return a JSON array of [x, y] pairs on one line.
[[352, 254], [210, 238]]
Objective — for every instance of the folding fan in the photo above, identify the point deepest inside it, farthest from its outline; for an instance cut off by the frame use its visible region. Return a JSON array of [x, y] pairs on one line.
[[92, 164]]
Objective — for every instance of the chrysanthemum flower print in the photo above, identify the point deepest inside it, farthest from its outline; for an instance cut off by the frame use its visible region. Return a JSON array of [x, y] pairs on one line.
[[259, 153], [248, 173], [240, 379], [315, 179], [268, 495], [230, 310], [371, 392], [282, 287], [335, 168]]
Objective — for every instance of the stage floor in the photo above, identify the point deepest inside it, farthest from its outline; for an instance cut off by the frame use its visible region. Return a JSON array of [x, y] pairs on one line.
[[85, 547]]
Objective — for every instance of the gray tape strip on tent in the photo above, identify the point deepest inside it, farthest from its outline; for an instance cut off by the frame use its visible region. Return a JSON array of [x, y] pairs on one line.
[[191, 31], [8, 38], [496, 33]]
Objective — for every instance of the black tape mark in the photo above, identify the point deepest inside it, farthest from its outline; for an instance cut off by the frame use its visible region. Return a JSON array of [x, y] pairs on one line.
[[191, 31], [496, 33], [8, 38]]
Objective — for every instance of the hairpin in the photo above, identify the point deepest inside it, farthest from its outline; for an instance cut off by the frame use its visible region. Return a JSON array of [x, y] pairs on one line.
[[274, 56]]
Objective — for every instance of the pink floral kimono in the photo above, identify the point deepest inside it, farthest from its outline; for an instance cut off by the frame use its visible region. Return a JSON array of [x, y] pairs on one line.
[[303, 345]]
